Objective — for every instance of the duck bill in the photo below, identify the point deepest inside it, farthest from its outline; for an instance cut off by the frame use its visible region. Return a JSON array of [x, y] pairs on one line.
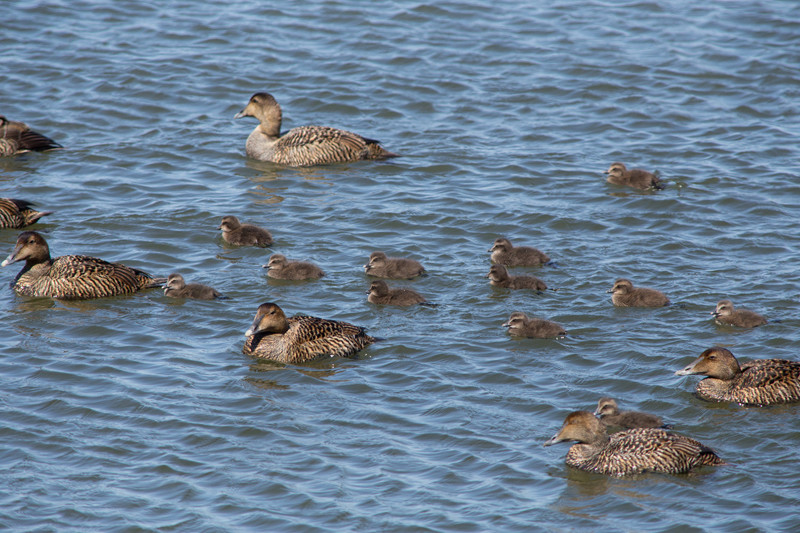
[[610, 291], [554, 440], [506, 325], [240, 114], [12, 258], [686, 371]]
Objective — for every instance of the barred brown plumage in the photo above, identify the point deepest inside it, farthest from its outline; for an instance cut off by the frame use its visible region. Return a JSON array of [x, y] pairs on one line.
[[757, 382], [499, 277], [505, 253], [17, 138], [629, 452], [71, 277], [609, 414], [18, 213], [301, 338], [303, 146]]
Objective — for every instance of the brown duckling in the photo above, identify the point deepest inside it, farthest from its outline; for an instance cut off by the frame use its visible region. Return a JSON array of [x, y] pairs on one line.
[[281, 268], [757, 382], [520, 325], [618, 174], [610, 415], [303, 146], [381, 266], [301, 338], [505, 253], [380, 293], [499, 276], [726, 314], [623, 294], [236, 233], [18, 138], [176, 287], [71, 277], [18, 213], [629, 452]]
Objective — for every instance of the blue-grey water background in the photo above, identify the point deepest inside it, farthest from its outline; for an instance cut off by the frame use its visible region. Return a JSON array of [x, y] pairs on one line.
[[141, 413]]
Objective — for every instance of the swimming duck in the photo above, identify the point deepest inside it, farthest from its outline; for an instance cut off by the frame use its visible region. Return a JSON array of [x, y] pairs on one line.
[[17, 138], [236, 233], [623, 294], [71, 277], [505, 253], [381, 266], [301, 338], [757, 382], [18, 213], [609, 414], [499, 276], [380, 293], [281, 268], [176, 287], [629, 452], [303, 146], [618, 174], [520, 325], [726, 314]]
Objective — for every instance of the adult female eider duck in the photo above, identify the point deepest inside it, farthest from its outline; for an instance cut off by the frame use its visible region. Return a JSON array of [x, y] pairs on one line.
[[71, 277], [609, 414], [505, 253], [304, 146], [521, 325], [18, 213], [629, 452], [624, 294], [17, 138], [301, 338], [618, 174], [757, 382], [727, 315]]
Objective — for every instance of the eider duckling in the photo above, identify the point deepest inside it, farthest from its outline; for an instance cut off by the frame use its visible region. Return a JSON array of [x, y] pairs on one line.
[[758, 382], [17, 138], [520, 325], [381, 266], [726, 314], [18, 213], [281, 268], [629, 452], [301, 338], [610, 415], [505, 253], [499, 276], [71, 277], [234, 232], [304, 146], [623, 294], [618, 174], [380, 293], [177, 287]]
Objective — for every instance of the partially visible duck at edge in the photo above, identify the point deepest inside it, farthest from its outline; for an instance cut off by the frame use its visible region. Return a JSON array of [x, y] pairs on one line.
[[278, 267], [303, 146], [381, 266], [499, 277], [17, 138], [756, 382], [505, 253], [238, 234], [18, 213], [71, 277], [618, 174], [301, 338], [380, 293], [176, 287], [609, 414], [634, 451], [727, 315], [624, 294], [521, 325]]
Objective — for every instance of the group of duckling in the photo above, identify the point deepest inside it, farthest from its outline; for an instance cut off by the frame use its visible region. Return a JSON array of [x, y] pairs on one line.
[[643, 445]]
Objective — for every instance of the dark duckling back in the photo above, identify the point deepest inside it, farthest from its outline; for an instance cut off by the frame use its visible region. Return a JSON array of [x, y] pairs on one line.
[[629, 452], [238, 234], [609, 414], [281, 268], [71, 277], [505, 253], [757, 382], [176, 287], [727, 314], [624, 294], [521, 325], [381, 266], [499, 276], [380, 293], [618, 174]]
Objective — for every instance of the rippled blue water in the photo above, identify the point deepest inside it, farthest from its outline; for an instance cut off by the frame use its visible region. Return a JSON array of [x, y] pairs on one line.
[[141, 413]]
